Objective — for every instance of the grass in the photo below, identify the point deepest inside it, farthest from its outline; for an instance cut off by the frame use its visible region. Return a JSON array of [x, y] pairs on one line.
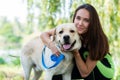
[[8, 72]]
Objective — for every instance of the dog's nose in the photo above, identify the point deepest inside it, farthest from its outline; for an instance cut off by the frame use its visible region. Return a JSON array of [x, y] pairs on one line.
[[66, 37]]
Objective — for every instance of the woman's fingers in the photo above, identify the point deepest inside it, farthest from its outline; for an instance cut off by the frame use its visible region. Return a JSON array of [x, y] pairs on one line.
[[54, 49]]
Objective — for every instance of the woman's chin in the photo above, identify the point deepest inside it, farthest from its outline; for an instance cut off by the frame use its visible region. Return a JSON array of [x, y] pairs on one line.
[[80, 32]]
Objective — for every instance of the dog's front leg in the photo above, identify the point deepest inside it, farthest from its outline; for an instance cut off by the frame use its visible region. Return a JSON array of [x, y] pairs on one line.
[[48, 76], [66, 76]]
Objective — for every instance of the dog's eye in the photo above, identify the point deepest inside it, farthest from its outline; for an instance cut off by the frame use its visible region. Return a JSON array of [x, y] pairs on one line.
[[60, 32], [72, 31]]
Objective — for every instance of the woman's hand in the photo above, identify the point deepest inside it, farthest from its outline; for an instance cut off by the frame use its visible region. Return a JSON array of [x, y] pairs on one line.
[[53, 48], [75, 52]]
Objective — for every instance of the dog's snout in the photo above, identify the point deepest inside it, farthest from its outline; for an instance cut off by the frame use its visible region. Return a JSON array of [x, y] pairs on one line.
[[66, 37]]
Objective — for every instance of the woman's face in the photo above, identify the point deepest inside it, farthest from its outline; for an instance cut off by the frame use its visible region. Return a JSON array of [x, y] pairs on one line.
[[82, 20]]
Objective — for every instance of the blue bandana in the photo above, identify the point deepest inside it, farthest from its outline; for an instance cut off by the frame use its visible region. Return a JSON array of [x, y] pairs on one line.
[[54, 58]]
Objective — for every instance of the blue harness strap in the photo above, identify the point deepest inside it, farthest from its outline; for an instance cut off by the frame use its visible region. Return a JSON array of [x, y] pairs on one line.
[[54, 58]]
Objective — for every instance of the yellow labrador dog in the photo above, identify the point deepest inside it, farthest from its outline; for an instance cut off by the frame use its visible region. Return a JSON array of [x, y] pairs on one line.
[[37, 56]]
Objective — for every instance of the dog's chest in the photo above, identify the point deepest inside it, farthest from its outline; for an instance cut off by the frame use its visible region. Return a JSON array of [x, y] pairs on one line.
[[64, 65]]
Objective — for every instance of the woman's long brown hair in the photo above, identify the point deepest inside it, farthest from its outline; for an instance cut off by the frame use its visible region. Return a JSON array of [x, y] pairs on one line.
[[96, 39]]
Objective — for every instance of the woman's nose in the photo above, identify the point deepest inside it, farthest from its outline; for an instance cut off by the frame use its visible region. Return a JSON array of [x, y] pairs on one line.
[[80, 22]]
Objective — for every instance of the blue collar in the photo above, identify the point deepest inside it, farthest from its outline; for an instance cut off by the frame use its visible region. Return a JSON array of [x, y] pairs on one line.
[[54, 58]]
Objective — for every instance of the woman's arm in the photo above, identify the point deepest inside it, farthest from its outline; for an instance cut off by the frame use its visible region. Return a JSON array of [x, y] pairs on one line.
[[45, 37], [85, 68]]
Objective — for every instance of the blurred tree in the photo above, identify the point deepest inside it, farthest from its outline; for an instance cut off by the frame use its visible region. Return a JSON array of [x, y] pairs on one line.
[[7, 31]]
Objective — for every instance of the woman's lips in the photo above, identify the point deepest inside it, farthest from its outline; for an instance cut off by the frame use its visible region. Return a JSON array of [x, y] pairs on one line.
[[80, 29]]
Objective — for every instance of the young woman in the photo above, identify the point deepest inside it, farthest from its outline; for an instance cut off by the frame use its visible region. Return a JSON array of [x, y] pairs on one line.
[[93, 61]]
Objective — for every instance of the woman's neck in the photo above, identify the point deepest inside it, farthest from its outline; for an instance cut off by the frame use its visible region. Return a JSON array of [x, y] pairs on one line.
[[84, 40]]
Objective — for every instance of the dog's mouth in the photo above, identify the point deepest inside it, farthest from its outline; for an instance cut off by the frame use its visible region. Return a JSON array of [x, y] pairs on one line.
[[68, 46]]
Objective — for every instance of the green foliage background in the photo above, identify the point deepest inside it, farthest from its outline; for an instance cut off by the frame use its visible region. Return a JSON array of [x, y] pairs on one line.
[[47, 14]]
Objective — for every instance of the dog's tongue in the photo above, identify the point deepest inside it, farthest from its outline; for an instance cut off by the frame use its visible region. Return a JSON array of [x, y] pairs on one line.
[[66, 46]]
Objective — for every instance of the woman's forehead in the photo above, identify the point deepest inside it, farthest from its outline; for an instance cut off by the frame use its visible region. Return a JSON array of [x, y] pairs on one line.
[[83, 13]]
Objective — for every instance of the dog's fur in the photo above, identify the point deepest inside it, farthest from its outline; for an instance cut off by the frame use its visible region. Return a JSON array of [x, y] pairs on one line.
[[31, 54]]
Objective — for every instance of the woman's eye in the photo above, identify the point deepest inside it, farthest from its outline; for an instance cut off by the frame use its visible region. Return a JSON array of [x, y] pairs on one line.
[[86, 20], [60, 32], [78, 17]]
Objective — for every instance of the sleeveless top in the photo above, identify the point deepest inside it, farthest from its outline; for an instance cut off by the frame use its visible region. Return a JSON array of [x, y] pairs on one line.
[[104, 70]]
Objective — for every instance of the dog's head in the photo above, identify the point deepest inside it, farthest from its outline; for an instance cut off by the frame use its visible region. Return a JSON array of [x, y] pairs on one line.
[[67, 37]]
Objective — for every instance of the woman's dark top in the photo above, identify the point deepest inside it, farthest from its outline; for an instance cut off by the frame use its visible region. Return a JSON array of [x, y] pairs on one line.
[[94, 75]]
